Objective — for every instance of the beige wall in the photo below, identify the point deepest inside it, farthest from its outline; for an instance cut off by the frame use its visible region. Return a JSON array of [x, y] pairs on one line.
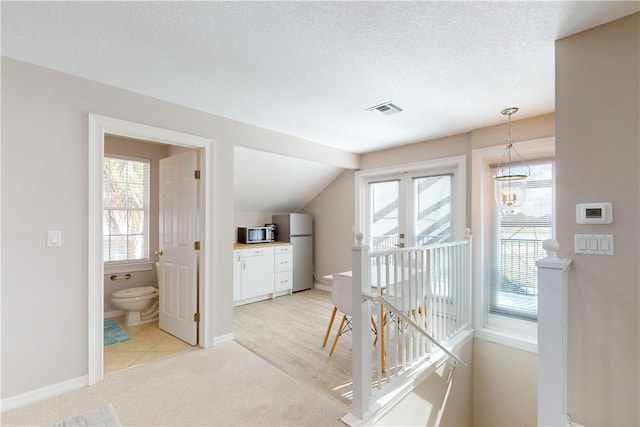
[[505, 385], [443, 399], [333, 255], [45, 131], [597, 145], [152, 152], [333, 211]]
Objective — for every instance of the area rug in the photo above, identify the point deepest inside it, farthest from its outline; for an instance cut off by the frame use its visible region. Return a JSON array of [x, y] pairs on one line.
[[104, 416], [114, 333]]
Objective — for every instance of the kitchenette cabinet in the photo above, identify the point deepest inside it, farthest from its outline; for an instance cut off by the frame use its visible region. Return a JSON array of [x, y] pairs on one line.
[[261, 271]]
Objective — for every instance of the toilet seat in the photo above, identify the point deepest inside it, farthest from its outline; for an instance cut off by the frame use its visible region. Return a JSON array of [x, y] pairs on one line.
[[134, 292]]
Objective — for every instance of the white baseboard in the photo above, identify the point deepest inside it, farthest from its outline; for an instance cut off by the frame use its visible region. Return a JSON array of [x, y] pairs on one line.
[[114, 313], [322, 287], [43, 393], [223, 338]]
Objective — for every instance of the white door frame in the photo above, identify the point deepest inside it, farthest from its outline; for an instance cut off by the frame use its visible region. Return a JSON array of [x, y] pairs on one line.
[[98, 127]]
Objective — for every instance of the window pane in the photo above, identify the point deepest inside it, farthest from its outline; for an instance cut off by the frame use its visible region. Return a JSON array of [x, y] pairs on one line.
[[118, 249], [516, 245], [135, 196], [135, 248], [432, 216], [135, 223], [385, 198]]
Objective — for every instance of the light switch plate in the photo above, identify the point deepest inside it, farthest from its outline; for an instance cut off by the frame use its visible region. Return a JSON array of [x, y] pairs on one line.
[[54, 239], [593, 244]]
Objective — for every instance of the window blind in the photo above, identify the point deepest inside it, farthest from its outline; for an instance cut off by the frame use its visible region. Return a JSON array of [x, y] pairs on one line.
[[125, 209]]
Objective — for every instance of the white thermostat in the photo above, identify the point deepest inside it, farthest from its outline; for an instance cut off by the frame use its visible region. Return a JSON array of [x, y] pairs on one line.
[[594, 213]]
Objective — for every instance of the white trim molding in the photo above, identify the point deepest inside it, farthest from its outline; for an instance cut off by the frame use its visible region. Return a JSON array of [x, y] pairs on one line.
[[43, 393], [520, 334], [99, 126]]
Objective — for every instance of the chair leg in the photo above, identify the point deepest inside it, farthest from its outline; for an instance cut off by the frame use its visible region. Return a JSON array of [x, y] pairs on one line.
[[335, 341], [326, 335], [375, 330]]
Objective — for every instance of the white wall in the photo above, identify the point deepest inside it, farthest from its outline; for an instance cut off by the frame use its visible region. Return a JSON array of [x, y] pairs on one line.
[[598, 157], [45, 187]]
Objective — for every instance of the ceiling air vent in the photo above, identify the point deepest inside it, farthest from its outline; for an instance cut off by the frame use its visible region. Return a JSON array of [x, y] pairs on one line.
[[387, 108]]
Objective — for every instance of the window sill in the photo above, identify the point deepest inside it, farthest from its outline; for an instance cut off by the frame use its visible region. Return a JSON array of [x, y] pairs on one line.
[[128, 267], [509, 338]]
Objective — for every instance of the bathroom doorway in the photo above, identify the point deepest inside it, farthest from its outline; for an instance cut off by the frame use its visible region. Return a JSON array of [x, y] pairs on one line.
[[136, 248], [99, 128]]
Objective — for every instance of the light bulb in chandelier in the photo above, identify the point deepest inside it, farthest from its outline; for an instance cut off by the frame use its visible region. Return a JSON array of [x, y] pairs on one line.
[[511, 194]]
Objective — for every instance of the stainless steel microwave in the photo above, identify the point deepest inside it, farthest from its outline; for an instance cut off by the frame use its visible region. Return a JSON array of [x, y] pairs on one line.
[[255, 235]]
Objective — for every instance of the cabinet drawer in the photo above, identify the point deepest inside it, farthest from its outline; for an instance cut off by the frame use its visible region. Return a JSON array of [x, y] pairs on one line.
[[283, 281], [284, 249], [256, 251], [283, 262]]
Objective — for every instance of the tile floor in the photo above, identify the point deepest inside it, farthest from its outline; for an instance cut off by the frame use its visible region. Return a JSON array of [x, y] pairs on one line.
[[148, 342]]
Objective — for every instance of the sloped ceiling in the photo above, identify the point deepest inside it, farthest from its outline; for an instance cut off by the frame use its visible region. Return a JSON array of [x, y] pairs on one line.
[[267, 182]]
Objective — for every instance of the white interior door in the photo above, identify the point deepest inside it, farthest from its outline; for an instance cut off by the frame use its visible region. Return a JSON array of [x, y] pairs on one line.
[[178, 270]]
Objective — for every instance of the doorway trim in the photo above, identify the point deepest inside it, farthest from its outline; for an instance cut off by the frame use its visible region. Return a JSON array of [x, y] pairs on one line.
[[98, 127]]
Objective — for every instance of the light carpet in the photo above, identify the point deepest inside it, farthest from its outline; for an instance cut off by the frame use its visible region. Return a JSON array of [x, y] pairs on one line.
[[225, 385], [104, 416]]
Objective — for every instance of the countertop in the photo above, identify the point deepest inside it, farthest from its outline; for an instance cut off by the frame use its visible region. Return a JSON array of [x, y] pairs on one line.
[[258, 245]]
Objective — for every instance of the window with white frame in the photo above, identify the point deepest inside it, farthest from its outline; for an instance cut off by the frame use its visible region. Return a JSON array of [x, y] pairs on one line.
[[125, 209], [507, 244], [516, 237]]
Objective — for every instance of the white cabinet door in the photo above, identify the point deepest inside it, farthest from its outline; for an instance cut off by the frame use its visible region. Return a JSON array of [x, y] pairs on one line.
[[237, 276], [257, 272]]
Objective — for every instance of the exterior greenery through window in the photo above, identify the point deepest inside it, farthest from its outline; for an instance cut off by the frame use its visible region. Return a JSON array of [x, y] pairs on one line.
[[516, 243], [125, 209]]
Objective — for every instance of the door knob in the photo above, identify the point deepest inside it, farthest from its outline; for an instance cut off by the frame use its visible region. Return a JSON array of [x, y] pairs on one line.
[[159, 252]]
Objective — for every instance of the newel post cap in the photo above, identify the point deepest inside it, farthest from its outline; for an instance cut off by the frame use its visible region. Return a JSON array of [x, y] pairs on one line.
[[551, 247]]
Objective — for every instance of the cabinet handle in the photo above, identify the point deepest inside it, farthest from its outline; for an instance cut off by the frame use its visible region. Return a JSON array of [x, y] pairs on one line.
[[243, 264]]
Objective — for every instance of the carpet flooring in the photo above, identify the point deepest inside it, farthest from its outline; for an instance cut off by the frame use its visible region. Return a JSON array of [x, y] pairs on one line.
[[225, 385]]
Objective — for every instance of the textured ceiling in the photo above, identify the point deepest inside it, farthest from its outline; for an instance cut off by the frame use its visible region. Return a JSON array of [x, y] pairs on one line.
[[311, 69]]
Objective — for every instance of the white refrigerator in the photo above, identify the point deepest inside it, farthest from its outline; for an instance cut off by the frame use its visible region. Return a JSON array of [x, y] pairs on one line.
[[297, 229]]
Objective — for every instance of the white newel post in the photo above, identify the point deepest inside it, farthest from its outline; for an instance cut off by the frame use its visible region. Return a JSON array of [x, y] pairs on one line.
[[361, 353], [552, 337]]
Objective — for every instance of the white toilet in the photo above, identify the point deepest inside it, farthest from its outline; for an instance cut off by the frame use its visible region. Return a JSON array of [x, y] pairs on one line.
[[140, 303]]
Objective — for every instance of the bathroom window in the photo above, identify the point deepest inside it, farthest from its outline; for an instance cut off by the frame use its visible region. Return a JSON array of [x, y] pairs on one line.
[[126, 210]]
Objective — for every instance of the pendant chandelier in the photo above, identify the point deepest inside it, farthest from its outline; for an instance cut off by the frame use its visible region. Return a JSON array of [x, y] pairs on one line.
[[511, 173]]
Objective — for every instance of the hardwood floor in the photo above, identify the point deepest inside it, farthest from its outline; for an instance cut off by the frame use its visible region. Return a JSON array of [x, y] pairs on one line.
[[288, 331]]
